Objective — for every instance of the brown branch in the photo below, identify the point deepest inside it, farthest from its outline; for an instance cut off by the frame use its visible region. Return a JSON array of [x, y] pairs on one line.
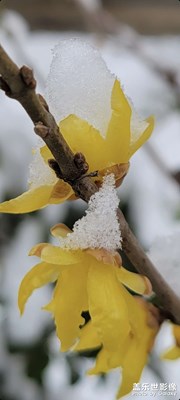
[[135, 253], [19, 84]]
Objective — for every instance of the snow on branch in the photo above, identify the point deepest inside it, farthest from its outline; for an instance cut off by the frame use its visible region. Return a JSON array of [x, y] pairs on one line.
[[100, 227]]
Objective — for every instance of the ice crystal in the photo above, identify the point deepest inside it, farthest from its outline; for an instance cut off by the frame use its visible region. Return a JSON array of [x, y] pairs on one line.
[[99, 228], [80, 83]]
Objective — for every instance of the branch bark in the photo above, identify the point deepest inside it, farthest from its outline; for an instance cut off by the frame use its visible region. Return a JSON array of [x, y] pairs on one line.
[[19, 84]]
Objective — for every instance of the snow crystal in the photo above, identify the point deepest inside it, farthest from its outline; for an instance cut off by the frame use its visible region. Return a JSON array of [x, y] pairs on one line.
[[99, 228], [80, 83], [39, 172], [165, 253]]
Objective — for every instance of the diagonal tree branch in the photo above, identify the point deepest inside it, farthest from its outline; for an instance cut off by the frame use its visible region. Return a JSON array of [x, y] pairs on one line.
[[20, 84]]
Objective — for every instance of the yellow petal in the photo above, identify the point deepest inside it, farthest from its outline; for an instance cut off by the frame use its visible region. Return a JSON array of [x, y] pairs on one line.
[[60, 230], [172, 354], [141, 340], [37, 249], [136, 282], [57, 255], [101, 365], [134, 362], [61, 192], [38, 276], [138, 316], [82, 137], [107, 307], [28, 201], [107, 360], [118, 134], [176, 333], [89, 338], [119, 171], [69, 300], [143, 137]]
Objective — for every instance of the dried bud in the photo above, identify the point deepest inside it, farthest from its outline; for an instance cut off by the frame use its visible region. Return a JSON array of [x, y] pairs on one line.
[[81, 163], [41, 130], [28, 77]]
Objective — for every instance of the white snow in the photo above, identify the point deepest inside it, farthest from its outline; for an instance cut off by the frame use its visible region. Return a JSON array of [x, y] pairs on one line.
[[100, 227], [80, 83], [39, 172]]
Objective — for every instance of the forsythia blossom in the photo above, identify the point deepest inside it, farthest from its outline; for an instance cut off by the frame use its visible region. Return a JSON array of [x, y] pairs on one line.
[[90, 277], [99, 121]]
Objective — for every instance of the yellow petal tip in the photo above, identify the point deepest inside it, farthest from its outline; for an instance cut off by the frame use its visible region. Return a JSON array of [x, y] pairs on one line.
[[37, 249], [148, 286], [20, 305], [60, 230]]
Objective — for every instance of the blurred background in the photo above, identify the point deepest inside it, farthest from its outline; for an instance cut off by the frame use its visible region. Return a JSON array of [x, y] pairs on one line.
[[140, 42]]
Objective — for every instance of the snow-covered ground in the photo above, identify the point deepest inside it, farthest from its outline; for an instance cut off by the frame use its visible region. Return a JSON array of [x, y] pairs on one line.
[[153, 199]]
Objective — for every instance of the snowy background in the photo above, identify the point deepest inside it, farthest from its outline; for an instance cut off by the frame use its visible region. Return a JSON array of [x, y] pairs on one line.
[[31, 366]]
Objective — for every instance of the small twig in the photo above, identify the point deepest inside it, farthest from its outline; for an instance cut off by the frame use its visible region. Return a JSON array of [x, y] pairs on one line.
[[23, 90]]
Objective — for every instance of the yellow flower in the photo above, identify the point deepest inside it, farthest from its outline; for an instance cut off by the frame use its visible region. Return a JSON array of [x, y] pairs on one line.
[[105, 154], [78, 274], [93, 280], [174, 352], [131, 354], [90, 277]]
